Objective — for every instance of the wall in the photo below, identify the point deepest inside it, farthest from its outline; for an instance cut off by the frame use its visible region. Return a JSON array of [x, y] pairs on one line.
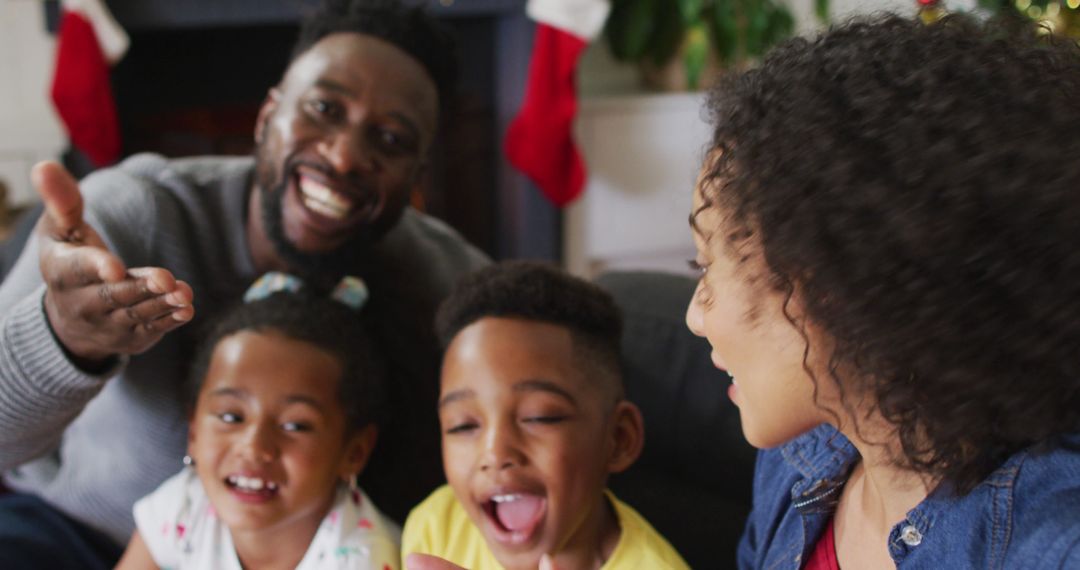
[[643, 151], [29, 128]]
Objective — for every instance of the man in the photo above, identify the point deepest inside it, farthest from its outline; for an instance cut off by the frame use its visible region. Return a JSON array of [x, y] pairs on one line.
[[94, 345]]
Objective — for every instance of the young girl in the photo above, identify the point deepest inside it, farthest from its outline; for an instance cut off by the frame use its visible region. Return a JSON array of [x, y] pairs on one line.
[[287, 392], [888, 229]]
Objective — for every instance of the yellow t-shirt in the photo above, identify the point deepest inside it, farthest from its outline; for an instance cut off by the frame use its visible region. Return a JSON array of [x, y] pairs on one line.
[[440, 526]]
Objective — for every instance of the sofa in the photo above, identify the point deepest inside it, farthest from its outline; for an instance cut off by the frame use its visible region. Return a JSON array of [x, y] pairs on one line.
[[693, 480]]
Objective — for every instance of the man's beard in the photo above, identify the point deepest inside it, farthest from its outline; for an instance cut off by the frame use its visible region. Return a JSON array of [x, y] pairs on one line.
[[329, 266], [322, 270]]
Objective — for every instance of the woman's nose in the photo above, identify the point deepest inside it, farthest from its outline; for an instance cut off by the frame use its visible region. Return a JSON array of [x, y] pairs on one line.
[[694, 314]]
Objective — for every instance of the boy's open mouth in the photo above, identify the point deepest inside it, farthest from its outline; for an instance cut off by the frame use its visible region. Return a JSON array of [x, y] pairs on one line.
[[515, 516]]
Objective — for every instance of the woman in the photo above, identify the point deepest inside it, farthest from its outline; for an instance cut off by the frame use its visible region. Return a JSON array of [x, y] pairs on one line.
[[888, 224]]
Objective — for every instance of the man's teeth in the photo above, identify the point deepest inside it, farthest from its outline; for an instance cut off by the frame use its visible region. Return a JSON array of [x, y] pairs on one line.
[[251, 483], [505, 498], [324, 200]]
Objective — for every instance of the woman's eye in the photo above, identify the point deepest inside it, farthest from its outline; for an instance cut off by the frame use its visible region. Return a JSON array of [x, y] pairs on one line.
[[230, 418], [697, 266]]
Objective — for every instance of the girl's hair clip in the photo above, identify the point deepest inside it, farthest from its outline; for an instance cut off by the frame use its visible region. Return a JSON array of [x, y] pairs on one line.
[[350, 291]]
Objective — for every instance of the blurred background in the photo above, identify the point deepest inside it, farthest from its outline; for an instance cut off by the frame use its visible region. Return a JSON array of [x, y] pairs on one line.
[[196, 71]]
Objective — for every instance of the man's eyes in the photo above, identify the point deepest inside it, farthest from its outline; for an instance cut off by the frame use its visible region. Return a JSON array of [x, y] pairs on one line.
[[394, 142], [324, 108]]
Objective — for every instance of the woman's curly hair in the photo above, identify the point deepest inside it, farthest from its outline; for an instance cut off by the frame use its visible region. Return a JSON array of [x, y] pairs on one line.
[[919, 186]]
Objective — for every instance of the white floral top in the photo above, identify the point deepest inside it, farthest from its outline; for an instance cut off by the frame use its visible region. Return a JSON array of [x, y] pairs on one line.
[[182, 531]]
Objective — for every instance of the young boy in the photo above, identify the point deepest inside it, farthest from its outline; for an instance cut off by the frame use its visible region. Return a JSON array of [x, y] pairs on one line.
[[533, 421]]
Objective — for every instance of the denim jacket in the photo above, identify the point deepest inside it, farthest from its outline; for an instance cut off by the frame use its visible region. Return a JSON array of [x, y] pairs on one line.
[[1026, 514]]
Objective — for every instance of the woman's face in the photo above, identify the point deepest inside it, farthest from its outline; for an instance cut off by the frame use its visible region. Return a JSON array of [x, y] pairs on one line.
[[752, 339]]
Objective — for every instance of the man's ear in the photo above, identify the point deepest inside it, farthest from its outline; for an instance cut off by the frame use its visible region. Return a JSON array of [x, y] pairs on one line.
[[269, 105], [358, 450], [628, 434]]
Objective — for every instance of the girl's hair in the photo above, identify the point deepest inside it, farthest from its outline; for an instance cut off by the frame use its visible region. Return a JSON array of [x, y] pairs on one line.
[[329, 325], [919, 186]]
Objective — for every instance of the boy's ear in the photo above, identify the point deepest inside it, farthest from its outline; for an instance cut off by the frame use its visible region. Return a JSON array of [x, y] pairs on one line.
[[629, 435], [358, 450], [269, 105]]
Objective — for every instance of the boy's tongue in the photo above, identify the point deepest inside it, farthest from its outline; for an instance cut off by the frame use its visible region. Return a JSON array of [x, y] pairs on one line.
[[519, 513]]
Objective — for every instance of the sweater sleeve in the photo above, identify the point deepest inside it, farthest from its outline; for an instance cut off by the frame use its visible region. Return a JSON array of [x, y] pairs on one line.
[[41, 391]]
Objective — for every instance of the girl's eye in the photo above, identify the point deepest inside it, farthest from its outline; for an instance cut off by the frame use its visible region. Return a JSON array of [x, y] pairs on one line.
[[230, 418], [296, 426]]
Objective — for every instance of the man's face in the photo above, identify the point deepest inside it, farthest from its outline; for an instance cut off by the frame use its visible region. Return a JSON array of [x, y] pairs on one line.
[[529, 439], [342, 143]]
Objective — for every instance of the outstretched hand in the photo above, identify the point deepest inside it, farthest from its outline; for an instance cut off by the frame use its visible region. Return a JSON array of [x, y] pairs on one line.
[[96, 306]]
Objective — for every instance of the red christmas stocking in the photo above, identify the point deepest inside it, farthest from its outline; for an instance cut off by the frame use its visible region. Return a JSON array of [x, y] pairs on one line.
[[81, 91], [540, 140]]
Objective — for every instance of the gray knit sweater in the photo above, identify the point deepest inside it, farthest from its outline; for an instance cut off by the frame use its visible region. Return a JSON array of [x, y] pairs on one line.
[[92, 445]]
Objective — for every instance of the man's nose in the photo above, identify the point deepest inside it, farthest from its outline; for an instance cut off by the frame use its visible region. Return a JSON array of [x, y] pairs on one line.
[[347, 151]]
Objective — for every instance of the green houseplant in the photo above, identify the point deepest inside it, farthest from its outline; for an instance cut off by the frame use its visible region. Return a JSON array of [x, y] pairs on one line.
[[690, 33]]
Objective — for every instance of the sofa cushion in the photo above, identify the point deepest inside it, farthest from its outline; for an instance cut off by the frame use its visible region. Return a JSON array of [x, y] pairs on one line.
[[693, 480]]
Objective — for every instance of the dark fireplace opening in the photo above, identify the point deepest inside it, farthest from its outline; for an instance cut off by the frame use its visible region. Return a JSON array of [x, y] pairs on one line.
[[195, 91]]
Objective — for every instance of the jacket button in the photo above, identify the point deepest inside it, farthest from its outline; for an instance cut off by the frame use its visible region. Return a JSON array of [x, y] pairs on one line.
[[911, 535]]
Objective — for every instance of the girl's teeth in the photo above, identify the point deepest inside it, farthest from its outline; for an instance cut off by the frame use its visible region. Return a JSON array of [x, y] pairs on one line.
[[505, 498], [251, 483]]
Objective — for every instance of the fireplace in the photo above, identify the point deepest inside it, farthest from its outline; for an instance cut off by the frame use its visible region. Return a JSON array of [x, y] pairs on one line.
[[198, 70]]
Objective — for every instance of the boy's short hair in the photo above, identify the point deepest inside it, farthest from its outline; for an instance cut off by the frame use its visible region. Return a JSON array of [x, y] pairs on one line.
[[540, 292], [324, 323], [409, 28]]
